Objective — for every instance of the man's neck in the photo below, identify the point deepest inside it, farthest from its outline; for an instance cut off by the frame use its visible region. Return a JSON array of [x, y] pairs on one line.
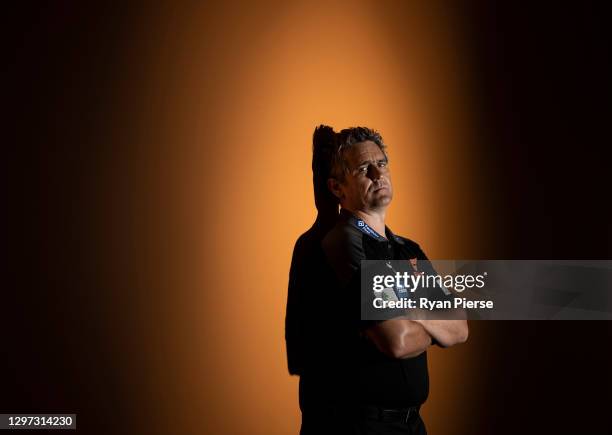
[[374, 218]]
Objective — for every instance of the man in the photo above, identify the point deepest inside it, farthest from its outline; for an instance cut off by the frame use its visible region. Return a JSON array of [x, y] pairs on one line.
[[376, 377]]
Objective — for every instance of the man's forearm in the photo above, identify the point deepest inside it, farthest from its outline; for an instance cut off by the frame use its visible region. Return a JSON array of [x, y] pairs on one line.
[[415, 341], [400, 338], [446, 332]]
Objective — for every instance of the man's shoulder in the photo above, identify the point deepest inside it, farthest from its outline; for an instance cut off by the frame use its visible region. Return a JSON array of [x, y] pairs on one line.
[[343, 236], [343, 250]]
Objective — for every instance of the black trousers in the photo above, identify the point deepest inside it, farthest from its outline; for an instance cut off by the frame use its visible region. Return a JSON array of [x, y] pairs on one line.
[[328, 422]]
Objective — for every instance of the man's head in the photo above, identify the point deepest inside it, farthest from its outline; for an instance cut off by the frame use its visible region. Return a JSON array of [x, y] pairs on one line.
[[360, 176]]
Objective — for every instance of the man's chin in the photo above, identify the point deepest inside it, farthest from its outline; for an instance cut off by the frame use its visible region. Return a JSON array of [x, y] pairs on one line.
[[381, 200]]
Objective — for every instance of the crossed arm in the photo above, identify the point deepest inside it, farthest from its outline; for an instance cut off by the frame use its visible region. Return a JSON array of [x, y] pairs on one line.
[[401, 337], [404, 338]]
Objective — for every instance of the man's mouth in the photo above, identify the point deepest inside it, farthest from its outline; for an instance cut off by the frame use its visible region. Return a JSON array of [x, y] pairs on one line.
[[379, 187]]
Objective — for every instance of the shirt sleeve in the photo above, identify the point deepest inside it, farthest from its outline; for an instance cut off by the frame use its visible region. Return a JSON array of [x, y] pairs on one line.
[[434, 292]]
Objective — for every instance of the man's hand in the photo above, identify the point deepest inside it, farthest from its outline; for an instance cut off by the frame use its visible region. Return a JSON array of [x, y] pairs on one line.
[[446, 327]]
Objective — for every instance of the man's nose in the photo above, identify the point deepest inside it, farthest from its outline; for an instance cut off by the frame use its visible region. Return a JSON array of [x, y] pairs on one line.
[[374, 172]]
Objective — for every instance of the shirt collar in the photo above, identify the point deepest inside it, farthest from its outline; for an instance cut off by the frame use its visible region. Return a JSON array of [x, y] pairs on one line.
[[366, 229]]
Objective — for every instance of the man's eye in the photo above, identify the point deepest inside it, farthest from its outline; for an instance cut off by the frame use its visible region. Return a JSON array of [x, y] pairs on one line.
[[382, 164], [363, 169]]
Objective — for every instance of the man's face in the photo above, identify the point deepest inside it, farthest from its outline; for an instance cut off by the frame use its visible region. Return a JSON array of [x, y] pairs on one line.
[[367, 183]]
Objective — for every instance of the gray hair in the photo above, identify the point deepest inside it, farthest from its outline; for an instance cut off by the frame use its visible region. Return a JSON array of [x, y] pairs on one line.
[[345, 140]]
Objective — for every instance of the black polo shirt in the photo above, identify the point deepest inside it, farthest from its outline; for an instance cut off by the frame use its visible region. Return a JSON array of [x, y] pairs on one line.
[[376, 378]]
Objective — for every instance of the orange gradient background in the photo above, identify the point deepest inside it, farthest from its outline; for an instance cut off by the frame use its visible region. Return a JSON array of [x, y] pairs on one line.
[[161, 176], [220, 105]]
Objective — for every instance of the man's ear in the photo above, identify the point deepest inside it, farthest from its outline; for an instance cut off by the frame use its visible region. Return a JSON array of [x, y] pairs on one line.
[[334, 187]]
